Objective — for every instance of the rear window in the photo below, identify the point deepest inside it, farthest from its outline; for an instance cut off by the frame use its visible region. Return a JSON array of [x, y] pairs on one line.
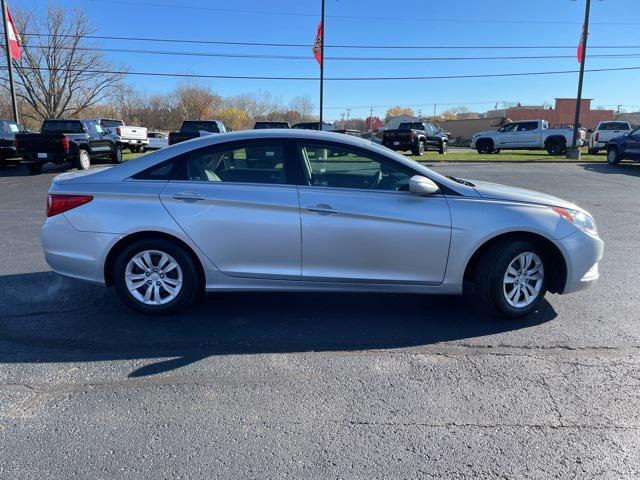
[[409, 126], [260, 125], [61, 126], [111, 123], [193, 127], [614, 126]]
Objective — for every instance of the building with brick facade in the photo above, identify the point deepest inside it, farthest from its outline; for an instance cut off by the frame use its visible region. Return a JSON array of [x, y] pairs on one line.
[[563, 114]]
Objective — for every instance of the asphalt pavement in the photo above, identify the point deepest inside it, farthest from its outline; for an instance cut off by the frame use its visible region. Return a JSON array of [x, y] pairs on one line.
[[323, 385]]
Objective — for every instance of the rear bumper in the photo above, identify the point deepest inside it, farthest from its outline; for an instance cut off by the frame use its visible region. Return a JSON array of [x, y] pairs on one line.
[[73, 253], [131, 141], [398, 144], [582, 253], [32, 157]]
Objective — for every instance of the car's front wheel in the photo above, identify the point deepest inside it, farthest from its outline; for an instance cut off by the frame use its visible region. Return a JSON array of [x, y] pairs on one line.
[[510, 278], [613, 157], [155, 277]]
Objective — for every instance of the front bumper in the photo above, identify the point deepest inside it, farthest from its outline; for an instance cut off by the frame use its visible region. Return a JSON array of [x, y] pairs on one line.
[[73, 253], [582, 252]]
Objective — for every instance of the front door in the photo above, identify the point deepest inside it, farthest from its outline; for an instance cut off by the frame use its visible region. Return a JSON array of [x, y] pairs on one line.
[[234, 201], [633, 144], [361, 224]]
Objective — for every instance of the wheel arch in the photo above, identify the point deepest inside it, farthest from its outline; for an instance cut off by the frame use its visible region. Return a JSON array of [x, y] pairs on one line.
[[124, 242], [558, 279], [483, 140]]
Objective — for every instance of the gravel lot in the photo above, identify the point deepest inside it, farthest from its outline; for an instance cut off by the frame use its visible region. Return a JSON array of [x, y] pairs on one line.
[[323, 385]]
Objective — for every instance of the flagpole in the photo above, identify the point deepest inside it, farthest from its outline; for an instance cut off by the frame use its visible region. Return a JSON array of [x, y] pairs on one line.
[[585, 35], [14, 104], [321, 63]]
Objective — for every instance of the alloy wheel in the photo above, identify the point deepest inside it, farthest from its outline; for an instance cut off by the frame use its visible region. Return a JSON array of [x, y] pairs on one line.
[[153, 277], [523, 280]]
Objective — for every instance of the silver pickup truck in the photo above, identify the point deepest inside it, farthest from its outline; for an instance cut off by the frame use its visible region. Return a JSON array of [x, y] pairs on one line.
[[133, 138], [526, 135]]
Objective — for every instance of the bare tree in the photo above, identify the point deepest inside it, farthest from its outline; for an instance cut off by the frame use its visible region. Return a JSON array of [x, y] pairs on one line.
[[303, 105], [197, 101], [57, 76]]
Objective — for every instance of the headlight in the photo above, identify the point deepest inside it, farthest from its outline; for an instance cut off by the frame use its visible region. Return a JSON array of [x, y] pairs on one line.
[[582, 220]]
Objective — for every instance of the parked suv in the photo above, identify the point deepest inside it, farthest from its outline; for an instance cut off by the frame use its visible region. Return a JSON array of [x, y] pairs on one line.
[[624, 147], [8, 131]]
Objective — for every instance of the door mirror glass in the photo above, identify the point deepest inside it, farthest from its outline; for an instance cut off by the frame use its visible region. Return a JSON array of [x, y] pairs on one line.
[[422, 185]]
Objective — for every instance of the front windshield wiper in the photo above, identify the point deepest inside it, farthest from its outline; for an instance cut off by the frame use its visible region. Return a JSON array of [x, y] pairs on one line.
[[460, 180]]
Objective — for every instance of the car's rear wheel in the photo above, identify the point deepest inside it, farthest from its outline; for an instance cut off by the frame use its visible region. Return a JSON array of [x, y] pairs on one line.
[[510, 278], [84, 160], [613, 157], [155, 277], [556, 147], [419, 150], [116, 155]]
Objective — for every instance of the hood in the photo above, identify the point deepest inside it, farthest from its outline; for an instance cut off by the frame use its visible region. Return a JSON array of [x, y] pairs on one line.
[[515, 194]]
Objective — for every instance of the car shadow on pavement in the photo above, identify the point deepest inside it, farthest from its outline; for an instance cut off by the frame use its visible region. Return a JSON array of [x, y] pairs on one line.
[[620, 169], [48, 318]]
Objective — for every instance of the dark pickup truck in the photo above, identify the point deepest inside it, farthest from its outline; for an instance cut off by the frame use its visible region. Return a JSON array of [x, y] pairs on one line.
[[192, 129], [8, 131], [417, 137], [61, 141], [626, 146]]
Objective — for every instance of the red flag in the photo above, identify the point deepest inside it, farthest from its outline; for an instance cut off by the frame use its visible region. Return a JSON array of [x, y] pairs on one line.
[[580, 53], [14, 38], [317, 45]]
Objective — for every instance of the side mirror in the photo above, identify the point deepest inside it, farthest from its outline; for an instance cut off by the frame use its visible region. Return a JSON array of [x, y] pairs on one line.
[[422, 185]]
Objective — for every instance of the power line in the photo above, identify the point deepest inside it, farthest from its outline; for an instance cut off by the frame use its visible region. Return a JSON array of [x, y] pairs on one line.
[[343, 58], [308, 45], [359, 17], [255, 77]]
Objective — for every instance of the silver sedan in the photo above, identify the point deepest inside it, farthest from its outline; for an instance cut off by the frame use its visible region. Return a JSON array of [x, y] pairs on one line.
[[285, 210]]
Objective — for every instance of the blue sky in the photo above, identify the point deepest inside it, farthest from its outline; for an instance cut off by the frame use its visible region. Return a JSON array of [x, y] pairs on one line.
[[380, 22]]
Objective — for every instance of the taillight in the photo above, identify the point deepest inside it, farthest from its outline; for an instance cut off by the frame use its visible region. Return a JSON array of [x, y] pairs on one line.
[[409, 135], [61, 203], [118, 131], [597, 136], [65, 143], [16, 143]]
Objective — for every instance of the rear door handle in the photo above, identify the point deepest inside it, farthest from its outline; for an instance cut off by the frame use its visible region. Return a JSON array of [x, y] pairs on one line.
[[187, 197], [321, 208]]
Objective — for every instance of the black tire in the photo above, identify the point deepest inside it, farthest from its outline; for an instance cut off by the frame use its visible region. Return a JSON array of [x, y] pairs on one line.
[[496, 151], [190, 279], [444, 148], [593, 151], [34, 168], [556, 147], [83, 162], [484, 146], [116, 155], [419, 149], [490, 273], [134, 149], [613, 157]]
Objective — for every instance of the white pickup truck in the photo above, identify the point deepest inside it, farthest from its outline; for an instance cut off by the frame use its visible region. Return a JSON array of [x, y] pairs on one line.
[[133, 138], [604, 132], [526, 135]]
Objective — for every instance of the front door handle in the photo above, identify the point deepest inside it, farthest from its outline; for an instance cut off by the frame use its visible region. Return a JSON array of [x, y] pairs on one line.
[[321, 208], [187, 197]]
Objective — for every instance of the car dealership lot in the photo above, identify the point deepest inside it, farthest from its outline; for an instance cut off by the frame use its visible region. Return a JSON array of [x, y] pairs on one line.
[[323, 385]]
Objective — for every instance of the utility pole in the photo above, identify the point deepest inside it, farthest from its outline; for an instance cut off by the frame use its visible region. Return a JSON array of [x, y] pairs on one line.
[[12, 87], [321, 62], [348, 113], [574, 152]]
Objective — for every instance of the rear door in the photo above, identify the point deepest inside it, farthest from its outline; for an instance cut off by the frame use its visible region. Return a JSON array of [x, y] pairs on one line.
[[361, 224], [100, 142], [529, 134], [633, 144], [237, 203]]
